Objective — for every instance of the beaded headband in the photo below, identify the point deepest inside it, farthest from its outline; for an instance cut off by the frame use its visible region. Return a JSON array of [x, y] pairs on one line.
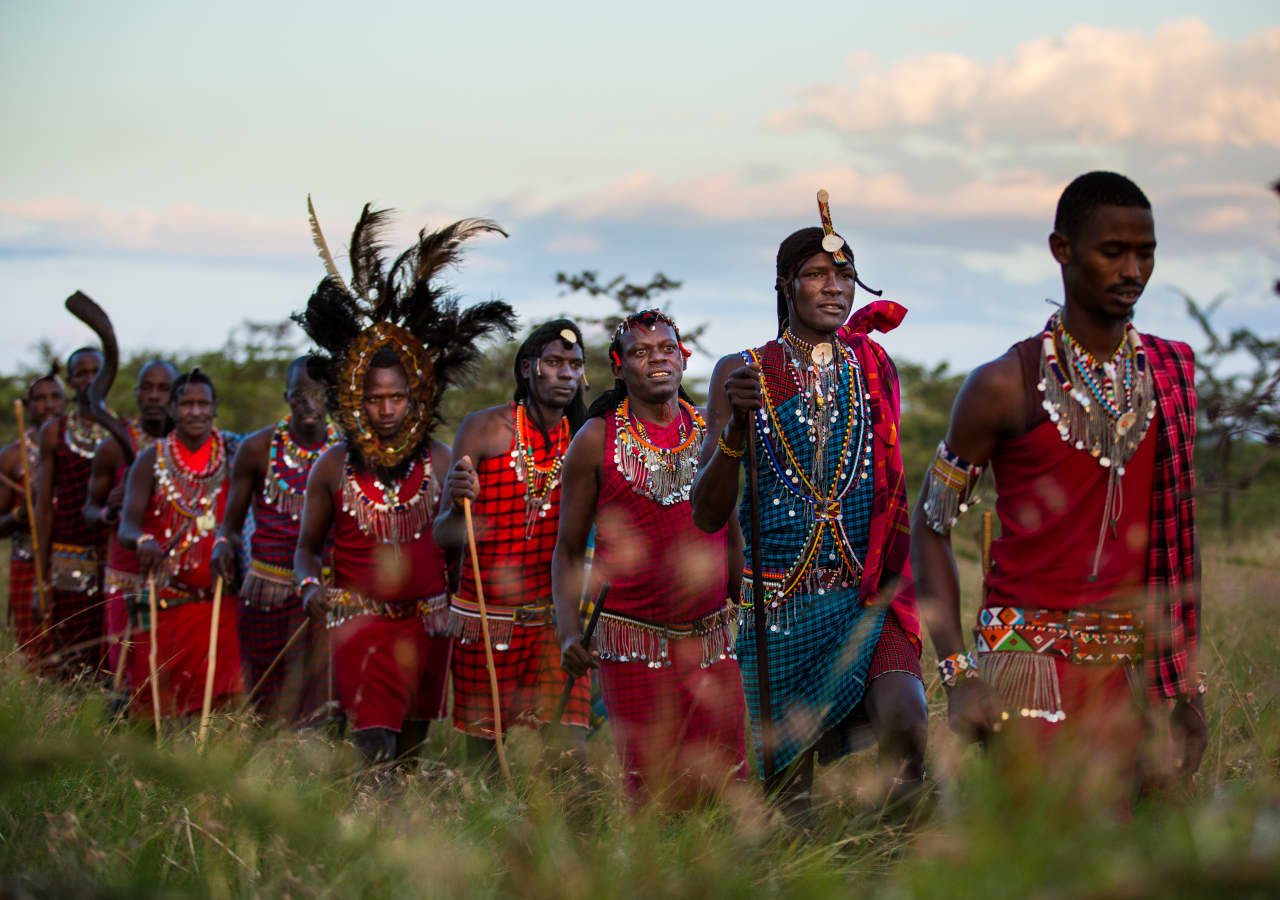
[[638, 318]]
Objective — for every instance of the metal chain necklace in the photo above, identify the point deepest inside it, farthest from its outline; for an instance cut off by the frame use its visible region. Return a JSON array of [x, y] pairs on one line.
[[663, 474]]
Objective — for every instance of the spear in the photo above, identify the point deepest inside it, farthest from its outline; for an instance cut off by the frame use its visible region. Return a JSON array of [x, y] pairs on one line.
[[488, 647], [757, 607], [586, 645]]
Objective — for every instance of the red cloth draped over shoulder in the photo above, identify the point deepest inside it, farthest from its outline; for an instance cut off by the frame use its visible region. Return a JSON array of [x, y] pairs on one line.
[[889, 545]]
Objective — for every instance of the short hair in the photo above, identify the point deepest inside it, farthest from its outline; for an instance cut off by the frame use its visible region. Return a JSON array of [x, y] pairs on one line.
[[1088, 192], [195, 376], [152, 363], [302, 363], [78, 351]]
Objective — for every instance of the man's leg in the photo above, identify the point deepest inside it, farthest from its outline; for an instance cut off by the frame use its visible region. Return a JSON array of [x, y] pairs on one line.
[[791, 790], [900, 718], [376, 745]]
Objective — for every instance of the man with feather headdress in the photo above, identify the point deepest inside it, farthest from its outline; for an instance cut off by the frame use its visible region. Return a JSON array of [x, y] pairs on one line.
[[391, 343]]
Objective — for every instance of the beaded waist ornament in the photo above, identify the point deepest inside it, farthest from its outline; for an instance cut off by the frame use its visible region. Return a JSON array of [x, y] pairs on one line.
[[464, 620], [624, 639], [73, 568], [346, 604], [1017, 648]]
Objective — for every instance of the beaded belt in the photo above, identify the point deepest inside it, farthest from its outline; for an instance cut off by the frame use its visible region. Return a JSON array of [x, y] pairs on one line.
[[1078, 635], [620, 638], [139, 604], [1017, 648], [464, 620], [121, 582], [346, 604], [73, 568]]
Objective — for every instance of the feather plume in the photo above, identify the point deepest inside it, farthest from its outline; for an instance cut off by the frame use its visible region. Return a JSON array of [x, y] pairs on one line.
[[366, 252], [317, 236], [442, 248]]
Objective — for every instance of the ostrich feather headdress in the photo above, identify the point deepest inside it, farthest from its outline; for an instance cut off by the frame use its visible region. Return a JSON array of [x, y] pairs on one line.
[[402, 308]]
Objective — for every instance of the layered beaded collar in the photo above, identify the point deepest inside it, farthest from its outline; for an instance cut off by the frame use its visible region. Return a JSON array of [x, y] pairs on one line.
[[288, 464], [663, 474], [539, 481], [82, 435]]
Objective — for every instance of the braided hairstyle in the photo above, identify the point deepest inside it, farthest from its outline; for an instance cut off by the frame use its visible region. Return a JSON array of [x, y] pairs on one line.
[[531, 349], [647, 318]]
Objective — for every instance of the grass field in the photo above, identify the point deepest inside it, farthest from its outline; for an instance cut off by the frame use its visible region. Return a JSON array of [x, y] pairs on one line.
[[91, 809]]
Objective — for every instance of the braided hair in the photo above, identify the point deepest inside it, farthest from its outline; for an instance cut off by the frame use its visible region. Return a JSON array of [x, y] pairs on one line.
[[647, 318], [531, 349]]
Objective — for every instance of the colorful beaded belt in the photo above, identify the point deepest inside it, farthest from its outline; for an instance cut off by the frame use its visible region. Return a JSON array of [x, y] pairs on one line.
[[1077, 635], [621, 638], [346, 604]]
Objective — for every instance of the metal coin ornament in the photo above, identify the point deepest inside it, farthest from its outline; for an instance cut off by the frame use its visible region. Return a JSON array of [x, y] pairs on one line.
[[1125, 422], [206, 522], [567, 335], [832, 242], [822, 354]]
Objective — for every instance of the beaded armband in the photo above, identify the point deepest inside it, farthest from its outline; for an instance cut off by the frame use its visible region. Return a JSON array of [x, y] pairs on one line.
[[956, 666], [729, 451], [948, 487]]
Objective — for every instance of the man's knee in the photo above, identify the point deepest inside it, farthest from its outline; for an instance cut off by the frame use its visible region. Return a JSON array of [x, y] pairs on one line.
[[899, 711]]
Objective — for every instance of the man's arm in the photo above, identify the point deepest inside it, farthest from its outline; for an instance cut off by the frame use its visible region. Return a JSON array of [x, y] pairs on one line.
[[248, 468], [139, 484], [987, 409], [14, 517], [104, 498], [732, 398], [317, 518], [579, 493], [44, 490], [476, 439]]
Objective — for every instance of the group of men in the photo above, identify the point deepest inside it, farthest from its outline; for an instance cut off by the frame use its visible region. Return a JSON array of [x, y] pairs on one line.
[[383, 565]]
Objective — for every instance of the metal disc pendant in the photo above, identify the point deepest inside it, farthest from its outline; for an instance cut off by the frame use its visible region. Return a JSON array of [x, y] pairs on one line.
[[207, 522], [822, 354], [832, 242], [1125, 422]]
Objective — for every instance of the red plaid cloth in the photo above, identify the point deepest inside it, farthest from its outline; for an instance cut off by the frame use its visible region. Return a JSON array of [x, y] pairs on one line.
[[183, 658], [1173, 628], [296, 686], [529, 684], [387, 671], [516, 569], [679, 729], [26, 619], [895, 651], [889, 546], [70, 488]]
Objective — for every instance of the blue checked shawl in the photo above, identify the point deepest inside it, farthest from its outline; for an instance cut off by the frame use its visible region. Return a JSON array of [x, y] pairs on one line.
[[820, 642]]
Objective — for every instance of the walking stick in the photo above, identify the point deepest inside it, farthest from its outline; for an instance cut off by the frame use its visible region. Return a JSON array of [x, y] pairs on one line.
[[586, 645], [154, 652], [262, 679], [212, 666], [488, 647], [757, 607], [125, 638], [986, 545], [42, 597]]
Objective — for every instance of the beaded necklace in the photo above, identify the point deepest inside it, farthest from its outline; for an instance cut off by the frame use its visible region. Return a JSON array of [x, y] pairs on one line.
[[141, 439], [191, 496], [1088, 414], [285, 484], [663, 474], [539, 481], [391, 520], [82, 437]]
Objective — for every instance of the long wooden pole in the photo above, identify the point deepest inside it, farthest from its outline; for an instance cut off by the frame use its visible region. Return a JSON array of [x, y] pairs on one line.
[[153, 654], [986, 545], [262, 679], [757, 607], [488, 647], [211, 668], [42, 597], [567, 690]]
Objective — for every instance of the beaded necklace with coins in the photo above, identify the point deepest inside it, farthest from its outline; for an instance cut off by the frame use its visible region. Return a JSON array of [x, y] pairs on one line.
[[82, 435], [539, 480], [189, 499], [285, 484]]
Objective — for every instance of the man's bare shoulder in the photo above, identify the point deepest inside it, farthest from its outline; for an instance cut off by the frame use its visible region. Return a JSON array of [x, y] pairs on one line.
[[330, 463], [10, 457], [589, 440]]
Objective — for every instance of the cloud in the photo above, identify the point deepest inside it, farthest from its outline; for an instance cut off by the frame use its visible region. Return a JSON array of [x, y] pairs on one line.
[[573, 243], [1180, 87]]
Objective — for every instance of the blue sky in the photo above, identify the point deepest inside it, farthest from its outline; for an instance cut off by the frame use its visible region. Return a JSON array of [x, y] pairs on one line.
[[158, 156]]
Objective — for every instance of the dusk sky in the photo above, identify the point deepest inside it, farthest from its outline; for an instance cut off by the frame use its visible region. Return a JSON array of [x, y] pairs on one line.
[[158, 155]]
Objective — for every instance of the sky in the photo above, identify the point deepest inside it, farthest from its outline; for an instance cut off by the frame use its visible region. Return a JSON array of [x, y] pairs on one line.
[[158, 156]]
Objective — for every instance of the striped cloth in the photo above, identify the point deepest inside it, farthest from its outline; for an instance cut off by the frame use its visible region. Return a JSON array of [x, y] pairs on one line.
[[1173, 626]]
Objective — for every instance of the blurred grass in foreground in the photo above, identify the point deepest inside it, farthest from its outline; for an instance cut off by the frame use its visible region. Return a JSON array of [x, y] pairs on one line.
[[87, 809]]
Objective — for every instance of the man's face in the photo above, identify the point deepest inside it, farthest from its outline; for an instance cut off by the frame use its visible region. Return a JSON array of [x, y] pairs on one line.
[[81, 369], [1106, 266], [155, 382], [555, 377], [652, 364], [305, 397], [822, 294], [193, 413], [46, 400], [386, 400]]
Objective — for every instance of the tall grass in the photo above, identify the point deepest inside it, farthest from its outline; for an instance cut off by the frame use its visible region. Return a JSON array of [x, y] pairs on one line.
[[88, 807]]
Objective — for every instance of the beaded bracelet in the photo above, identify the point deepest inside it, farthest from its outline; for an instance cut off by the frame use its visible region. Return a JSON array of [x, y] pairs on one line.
[[729, 451], [956, 666]]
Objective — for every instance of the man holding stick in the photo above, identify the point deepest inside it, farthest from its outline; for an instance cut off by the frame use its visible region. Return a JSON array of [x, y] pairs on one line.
[[175, 493], [270, 473], [664, 643], [843, 647], [507, 461], [389, 357], [45, 398]]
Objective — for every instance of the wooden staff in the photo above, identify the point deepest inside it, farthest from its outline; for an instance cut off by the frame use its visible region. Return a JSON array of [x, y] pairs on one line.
[[262, 679], [153, 653], [42, 597], [757, 607], [986, 545], [118, 678], [586, 645], [212, 667], [488, 648]]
